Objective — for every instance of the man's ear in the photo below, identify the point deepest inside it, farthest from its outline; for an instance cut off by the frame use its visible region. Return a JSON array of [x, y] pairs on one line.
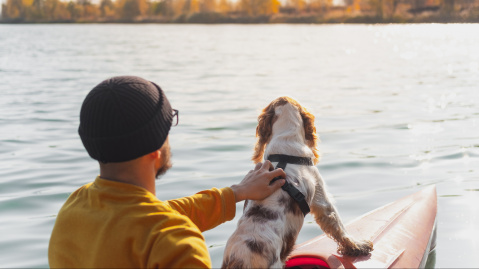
[[155, 154]]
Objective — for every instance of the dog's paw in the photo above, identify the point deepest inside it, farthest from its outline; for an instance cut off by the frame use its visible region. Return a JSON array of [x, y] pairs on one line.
[[350, 247]]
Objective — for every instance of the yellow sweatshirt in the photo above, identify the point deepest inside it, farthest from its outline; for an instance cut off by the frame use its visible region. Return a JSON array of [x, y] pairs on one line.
[[107, 224]]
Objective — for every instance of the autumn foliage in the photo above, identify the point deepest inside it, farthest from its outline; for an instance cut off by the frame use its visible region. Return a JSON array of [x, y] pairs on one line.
[[239, 11], [127, 10]]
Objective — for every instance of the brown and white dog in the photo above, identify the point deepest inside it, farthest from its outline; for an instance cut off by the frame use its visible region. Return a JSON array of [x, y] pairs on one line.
[[268, 229]]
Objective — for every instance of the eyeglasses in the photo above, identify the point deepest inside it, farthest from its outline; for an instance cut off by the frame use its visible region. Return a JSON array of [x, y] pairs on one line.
[[176, 113]]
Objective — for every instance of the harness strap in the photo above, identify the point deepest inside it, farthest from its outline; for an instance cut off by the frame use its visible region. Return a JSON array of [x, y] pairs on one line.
[[283, 160]]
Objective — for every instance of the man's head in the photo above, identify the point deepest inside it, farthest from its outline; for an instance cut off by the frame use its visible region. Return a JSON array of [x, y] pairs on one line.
[[124, 118]]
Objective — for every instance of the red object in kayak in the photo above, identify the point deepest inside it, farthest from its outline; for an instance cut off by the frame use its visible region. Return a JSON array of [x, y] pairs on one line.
[[403, 234]]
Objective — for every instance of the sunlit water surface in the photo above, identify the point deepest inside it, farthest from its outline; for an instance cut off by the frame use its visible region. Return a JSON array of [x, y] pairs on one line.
[[396, 107]]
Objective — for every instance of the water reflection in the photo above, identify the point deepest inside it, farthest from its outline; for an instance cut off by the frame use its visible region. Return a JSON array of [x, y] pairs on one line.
[[395, 105]]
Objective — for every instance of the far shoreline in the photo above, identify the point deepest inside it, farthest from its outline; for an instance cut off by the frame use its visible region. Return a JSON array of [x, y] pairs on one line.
[[262, 20]]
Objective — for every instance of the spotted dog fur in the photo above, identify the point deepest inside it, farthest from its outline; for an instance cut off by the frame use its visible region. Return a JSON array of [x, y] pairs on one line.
[[268, 229]]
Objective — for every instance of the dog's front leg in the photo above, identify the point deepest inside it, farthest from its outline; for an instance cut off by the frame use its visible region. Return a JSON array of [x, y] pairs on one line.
[[328, 219]]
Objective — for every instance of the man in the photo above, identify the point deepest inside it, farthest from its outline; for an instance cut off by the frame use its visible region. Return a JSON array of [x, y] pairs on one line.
[[117, 221]]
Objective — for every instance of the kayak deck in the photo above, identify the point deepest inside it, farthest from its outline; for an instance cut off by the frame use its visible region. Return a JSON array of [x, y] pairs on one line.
[[402, 233]]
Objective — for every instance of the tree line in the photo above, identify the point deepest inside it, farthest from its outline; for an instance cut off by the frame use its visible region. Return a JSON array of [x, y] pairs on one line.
[[221, 11], [137, 10]]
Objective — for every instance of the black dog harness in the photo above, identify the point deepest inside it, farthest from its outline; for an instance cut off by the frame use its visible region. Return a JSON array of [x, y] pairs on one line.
[[288, 187]]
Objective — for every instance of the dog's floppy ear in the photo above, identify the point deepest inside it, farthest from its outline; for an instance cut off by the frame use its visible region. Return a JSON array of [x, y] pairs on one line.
[[310, 134], [263, 132]]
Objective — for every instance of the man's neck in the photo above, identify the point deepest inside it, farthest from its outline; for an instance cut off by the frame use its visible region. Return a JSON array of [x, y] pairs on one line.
[[129, 173]]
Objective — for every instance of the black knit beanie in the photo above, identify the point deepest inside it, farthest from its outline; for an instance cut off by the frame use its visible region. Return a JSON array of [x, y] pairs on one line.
[[124, 118]]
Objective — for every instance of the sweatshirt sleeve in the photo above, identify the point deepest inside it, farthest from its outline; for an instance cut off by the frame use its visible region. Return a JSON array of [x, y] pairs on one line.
[[207, 209]]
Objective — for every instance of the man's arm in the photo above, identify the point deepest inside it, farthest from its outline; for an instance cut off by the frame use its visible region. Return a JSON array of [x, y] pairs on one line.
[[210, 208], [207, 209]]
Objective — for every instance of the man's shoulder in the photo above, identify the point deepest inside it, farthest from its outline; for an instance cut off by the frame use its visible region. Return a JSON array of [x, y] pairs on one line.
[[75, 195], [134, 205]]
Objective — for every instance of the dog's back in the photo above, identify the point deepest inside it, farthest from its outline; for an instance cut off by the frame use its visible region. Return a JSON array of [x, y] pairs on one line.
[[268, 229]]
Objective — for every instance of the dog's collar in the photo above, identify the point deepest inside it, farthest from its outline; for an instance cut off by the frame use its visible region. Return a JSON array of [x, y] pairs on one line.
[[288, 187], [282, 158]]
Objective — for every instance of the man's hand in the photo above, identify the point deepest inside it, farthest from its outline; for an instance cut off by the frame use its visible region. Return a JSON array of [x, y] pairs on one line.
[[255, 185]]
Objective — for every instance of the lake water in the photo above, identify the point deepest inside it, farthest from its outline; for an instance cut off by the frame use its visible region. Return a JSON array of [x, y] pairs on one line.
[[396, 108]]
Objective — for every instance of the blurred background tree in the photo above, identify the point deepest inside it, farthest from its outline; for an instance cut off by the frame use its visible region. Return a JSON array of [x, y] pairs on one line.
[[107, 9], [297, 5], [259, 7]]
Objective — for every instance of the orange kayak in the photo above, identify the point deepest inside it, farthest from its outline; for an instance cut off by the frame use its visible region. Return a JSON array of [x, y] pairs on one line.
[[403, 233]]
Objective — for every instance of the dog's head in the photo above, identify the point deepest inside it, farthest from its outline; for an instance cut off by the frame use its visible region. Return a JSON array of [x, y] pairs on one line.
[[280, 111]]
